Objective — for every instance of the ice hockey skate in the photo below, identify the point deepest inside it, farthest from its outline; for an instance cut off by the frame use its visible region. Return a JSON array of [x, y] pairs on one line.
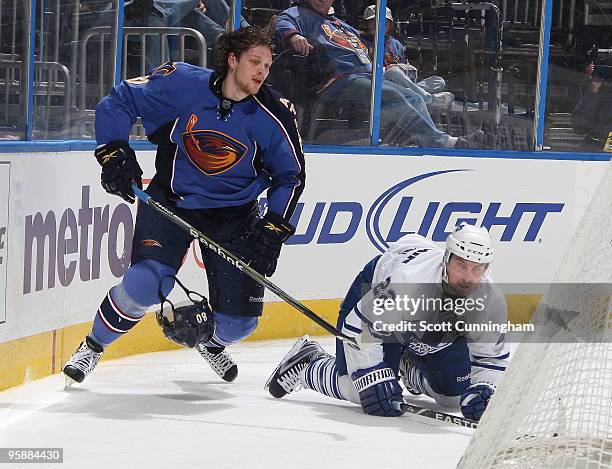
[[82, 362], [286, 377], [220, 361]]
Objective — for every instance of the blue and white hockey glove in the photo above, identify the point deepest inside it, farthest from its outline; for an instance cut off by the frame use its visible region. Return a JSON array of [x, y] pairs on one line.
[[119, 169], [265, 240], [378, 391], [474, 401]]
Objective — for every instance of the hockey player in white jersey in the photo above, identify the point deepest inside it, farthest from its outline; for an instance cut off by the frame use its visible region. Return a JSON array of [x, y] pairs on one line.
[[427, 342]]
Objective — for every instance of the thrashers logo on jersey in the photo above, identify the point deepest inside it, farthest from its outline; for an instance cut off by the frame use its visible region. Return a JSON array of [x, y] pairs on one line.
[[212, 152]]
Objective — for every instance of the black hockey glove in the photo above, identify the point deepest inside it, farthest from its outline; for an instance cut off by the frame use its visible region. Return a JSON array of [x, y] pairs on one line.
[[474, 401], [265, 240], [119, 169], [379, 392]]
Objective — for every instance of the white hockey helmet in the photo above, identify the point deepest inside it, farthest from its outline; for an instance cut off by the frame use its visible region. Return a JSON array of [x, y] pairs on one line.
[[470, 243]]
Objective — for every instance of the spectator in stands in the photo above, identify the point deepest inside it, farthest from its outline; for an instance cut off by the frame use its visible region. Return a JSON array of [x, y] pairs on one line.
[[592, 116], [209, 17], [339, 9], [137, 13], [353, 9], [147, 13], [397, 68], [347, 76], [139, 9], [588, 40]]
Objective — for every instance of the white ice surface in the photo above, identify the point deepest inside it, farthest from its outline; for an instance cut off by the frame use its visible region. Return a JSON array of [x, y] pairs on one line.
[[169, 409]]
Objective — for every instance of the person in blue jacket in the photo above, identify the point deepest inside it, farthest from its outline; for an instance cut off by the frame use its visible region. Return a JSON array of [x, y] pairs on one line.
[[223, 138], [397, 69], [346, 77]]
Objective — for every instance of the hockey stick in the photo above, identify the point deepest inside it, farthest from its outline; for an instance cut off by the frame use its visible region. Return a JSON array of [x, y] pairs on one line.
[[240, 265], [435, 415]]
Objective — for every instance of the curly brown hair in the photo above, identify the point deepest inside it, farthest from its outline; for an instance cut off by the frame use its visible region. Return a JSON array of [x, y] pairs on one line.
[[237, 42]]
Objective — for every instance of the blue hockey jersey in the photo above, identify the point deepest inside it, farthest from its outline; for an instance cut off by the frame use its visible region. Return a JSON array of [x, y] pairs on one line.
[[206, 160]]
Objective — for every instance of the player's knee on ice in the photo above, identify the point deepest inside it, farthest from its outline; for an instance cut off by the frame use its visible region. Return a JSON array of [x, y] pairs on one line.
[[447, 372], [143, 281]]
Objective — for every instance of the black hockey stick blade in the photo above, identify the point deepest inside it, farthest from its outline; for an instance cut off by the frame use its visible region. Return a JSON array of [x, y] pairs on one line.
[[435, 415], [239, 264]]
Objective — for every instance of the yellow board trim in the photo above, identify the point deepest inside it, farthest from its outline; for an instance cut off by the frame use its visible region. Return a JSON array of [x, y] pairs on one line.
[[41, 355]]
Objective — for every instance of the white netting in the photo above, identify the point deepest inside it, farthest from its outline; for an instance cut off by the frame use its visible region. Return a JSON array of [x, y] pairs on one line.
[[554, 406]]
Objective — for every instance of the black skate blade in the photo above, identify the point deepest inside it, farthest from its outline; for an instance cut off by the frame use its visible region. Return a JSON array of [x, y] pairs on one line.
[[298, 345], [231, 374], [74, 374]]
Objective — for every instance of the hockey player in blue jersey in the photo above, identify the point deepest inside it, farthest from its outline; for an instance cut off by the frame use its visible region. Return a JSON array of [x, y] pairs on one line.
[[223, 138], [457, 369], [346, 77]]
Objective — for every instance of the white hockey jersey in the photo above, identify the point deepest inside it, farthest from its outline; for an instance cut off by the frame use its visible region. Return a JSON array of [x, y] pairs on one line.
[[413, 267]]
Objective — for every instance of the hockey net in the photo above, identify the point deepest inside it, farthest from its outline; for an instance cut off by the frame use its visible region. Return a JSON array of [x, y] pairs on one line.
[[553, 408]]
